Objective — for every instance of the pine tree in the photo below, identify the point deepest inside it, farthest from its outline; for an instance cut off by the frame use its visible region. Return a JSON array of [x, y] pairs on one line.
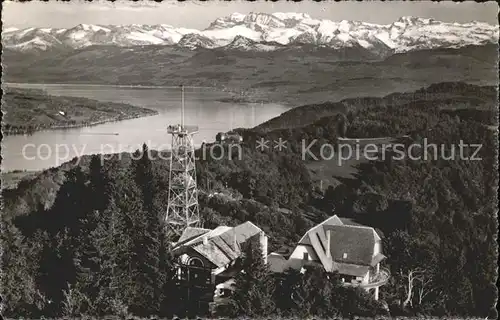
[[112, 242], [92, 223], [127, 248], [254, 294], [87, 265], [356, 301], [56, 269], [146, 238], [342, 124], [18, 289], [71, 204], [73, 302], [60, 255], [166, 287], [99, 184], [313, 293], [100, 237], [286, 284]]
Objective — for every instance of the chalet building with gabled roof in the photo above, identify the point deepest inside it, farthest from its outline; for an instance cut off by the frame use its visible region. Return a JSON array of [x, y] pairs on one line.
[[354, 251], [208, 260]]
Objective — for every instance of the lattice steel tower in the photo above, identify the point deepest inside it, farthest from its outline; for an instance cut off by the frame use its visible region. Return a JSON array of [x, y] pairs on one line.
[[182, 208]]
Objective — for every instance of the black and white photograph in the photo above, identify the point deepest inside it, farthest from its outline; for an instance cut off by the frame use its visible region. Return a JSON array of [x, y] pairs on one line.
[[249, 160]]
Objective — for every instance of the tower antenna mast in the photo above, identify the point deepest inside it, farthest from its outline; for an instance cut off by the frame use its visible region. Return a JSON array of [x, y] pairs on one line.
[[182, 207], [182, 105]]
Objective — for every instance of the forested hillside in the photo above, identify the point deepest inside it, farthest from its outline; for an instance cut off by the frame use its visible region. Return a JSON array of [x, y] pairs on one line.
[[87, 239], [29, 110]]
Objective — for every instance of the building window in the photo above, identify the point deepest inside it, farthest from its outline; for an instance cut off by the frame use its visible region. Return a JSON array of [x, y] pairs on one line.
[[306, 256], [195, 262], [320, 242], [225, 293]]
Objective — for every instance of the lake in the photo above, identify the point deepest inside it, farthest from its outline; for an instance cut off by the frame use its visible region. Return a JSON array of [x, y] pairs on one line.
[[50, 148]]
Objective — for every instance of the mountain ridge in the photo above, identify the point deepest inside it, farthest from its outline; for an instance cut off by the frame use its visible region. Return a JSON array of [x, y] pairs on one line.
[[286, 29]]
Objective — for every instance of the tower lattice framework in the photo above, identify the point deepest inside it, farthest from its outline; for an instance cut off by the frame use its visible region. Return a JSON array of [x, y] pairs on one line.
[[182, 208]]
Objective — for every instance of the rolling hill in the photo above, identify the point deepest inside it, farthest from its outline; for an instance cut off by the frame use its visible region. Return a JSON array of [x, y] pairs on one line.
[[309, 75], [26, 111]]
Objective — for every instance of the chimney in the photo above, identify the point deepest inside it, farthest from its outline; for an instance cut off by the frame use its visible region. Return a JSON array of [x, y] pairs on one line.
[[328, 243], [263, 245], [205, 240], [235, 243]]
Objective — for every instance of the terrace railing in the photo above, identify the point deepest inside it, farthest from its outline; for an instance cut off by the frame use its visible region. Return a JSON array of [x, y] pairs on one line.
[[376, 280]]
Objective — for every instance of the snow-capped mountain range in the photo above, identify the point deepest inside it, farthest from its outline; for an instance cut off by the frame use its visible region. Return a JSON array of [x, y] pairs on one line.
[[263, 32]]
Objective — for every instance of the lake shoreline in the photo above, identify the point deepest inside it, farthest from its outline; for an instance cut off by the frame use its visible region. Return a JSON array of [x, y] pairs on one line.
[[75, 126], [65, 140], [34, 110], [132, 86], [234, 97]]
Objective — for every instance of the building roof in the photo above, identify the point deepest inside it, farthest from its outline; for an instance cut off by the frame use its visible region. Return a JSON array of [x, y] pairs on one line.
[[221, 245], [352, 244], [317, 238], [189, 233], [350, 222], [277, 263], [379, 257], [199, 238], [352, 269], [245, 231], [334, 220], [351, 248]]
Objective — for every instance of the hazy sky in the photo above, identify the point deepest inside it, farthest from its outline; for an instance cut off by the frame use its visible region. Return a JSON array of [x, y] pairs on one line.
[[199, 15]]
